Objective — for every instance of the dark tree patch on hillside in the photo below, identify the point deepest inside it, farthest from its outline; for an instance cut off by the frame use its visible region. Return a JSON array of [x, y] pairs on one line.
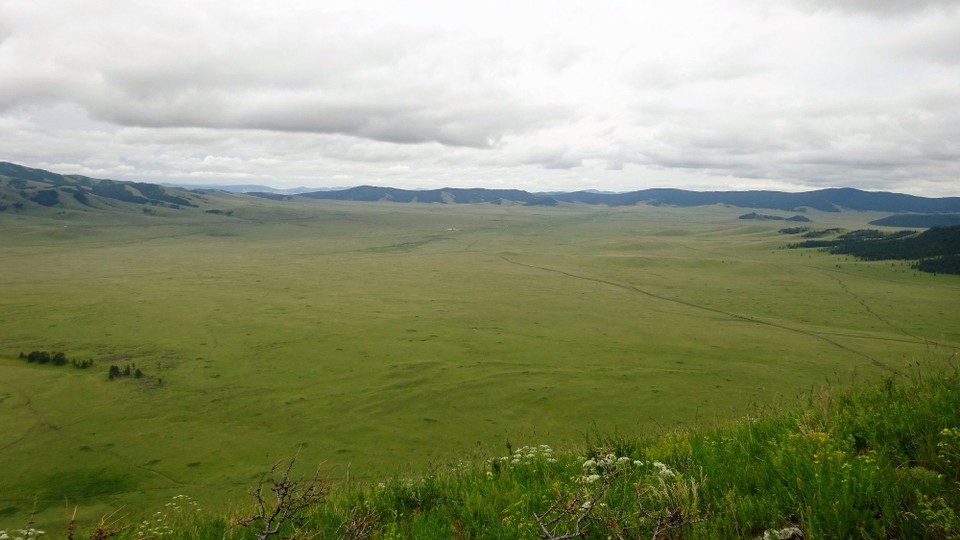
[[46, 197], [919, 220], [935, 250], [112, 190], [820, 233], [81, 197], [768, 217], [158, 193]]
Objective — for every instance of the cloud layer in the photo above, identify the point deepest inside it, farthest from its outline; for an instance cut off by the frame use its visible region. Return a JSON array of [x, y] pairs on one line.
[[539, 95]]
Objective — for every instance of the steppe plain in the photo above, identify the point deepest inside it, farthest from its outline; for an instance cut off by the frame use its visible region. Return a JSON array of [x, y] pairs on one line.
[[383, 338]]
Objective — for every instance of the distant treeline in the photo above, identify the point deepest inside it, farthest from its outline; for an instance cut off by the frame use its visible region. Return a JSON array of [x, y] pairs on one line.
[[60, 359], [130, 370], [768, 217], [56, 358], [807, 232], [934, 250]]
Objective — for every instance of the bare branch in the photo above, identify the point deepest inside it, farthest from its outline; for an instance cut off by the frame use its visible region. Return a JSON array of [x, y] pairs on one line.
[[360, 524], [578, 509], [291, 498]]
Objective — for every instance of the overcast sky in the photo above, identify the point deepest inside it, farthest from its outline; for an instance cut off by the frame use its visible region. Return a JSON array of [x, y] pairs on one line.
[[552, 95]]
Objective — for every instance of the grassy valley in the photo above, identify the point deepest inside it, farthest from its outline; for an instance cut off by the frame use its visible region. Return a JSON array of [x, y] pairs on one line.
[[385, 339]]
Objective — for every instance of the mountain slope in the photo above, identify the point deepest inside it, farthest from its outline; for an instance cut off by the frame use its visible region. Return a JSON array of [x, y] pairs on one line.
[[25, 189]]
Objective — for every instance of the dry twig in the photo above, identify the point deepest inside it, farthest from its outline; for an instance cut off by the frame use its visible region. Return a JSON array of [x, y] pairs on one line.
[[577, 509], [291, 497]]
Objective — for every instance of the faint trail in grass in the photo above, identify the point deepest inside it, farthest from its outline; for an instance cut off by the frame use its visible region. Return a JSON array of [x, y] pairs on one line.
[[729, 314], [406, 246], [41, 421], [45, 424], [867, 307]]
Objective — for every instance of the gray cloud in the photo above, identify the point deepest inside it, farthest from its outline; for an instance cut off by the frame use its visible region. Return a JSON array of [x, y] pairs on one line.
[[618, 96], [878, 7], [393, 84]]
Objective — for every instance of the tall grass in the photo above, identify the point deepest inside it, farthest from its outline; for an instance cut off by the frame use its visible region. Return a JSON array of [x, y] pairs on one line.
[[858, 461]]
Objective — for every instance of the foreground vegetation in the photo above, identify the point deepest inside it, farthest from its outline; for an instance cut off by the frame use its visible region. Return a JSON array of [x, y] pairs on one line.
[[880, 460]]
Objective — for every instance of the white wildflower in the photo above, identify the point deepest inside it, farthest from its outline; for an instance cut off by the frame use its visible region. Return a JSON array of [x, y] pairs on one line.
[[664, 470], [785, 533]]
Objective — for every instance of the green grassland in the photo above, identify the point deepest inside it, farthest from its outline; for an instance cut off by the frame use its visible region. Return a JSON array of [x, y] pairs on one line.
[[386, 338]]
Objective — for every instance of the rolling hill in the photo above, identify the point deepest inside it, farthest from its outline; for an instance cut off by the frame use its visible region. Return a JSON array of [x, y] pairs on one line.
[[23, 188], [826, 200]]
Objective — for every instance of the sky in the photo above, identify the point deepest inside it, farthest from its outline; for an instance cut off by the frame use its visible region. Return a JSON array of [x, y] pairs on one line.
[[557, 95]]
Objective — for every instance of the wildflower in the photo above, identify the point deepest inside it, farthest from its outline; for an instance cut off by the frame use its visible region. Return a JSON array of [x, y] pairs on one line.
[[589, 464], [785, 533], [663, 469], [591, 478], [586, 506]]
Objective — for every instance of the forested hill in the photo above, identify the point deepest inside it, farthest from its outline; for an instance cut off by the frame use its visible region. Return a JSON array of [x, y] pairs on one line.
[[24, 189], [934, 250]]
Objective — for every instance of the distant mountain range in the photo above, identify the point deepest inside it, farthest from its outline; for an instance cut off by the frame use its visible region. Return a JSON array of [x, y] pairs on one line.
[[23, 188], [826, 200], [248, 188]]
